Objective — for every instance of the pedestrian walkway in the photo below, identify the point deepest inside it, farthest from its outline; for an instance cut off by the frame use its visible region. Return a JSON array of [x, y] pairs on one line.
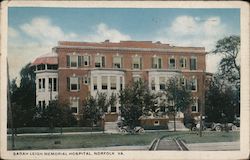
[[215, 146]]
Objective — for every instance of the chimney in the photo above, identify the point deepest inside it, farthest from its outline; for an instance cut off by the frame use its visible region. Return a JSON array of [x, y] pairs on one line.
[[106, 41]]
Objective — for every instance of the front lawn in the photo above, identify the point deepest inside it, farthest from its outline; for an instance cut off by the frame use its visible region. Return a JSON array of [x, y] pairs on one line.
[[105, 140]]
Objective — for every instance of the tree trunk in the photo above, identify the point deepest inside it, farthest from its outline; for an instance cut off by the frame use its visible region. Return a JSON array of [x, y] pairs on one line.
[[174, 122]]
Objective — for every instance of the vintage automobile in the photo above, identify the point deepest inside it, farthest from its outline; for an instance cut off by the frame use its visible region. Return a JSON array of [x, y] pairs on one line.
[[219, 127], [127, 129]]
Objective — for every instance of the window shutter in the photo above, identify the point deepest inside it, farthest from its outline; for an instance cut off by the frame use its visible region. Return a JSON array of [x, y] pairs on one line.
[[68, 83], [68, 60], [79, 61]]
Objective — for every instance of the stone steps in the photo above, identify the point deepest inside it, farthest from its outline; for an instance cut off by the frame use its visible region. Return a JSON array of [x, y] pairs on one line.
[[111, 127]]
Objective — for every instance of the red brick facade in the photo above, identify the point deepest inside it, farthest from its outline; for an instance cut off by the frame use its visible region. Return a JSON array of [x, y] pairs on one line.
[[126, 49]]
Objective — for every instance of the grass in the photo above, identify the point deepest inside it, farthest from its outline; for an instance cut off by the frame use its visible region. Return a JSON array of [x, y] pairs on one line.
[[105, 140]]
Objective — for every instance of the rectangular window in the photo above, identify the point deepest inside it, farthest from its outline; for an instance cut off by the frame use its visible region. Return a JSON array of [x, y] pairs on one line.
[[156, 123], [74, 105], [104, 82], [183, 81], [39, 105], [183, 62], [74, 84], [86, 60], [193, 65], [43, 86], [113, 83], [52, 67], [156, 63], [86, 80], [194, 106], [162, 83], [121, 83], [99, 61], [50, 84], [95, 83], [73, 61], [193, 84], [41, 67], [39, 83], [137, 63], [117, 62], [171, 63], [43, 105], [54, 84], [153, 84], [113, 109]]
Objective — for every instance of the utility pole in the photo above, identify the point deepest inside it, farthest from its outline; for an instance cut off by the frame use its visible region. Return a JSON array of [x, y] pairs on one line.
[[202, 103], [10, 109]]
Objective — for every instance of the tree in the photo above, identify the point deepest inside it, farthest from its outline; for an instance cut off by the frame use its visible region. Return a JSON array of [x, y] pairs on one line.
[[222, 102], [55, 115], [135, 101], [229, 48], [178, 98], [23, 98], [95, 107]]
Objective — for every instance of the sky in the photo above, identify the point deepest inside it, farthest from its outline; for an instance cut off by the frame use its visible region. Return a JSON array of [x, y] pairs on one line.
[[34, 31]]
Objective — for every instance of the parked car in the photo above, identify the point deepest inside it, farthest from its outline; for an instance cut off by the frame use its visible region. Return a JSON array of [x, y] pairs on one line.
[[127, 129], [137, 129], [219, 127]]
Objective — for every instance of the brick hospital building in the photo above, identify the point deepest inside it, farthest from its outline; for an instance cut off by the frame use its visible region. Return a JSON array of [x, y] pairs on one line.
[[76, 69]]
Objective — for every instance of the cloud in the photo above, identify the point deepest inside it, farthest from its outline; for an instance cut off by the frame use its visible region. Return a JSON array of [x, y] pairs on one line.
[[44, 31], [104, 32], [195, 31], [37, 37]]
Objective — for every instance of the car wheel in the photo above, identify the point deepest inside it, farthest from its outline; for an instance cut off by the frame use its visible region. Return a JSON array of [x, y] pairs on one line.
[[234, 128], [141, 130], [193, 129], [124, 131], [218, 128]]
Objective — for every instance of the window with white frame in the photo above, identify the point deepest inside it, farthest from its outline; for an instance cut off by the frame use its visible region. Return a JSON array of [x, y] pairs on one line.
[[156, 123], [55, 84], [74, 104], [162, 83], [183, 81], [113, 82], [153, 84], [183, 62], [86, 79], [41, 84], [193, 63], [86, 60], [193, 84], [121, 83], [73, 61], [137, 62], [104, 82], [73, 83], [171, 63], [156, 62], [99, 61], [117, 62], [94, 83], [194, 106]]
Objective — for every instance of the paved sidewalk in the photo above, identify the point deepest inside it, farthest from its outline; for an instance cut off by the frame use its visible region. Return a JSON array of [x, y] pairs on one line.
[[64, 133], [216, 146]]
